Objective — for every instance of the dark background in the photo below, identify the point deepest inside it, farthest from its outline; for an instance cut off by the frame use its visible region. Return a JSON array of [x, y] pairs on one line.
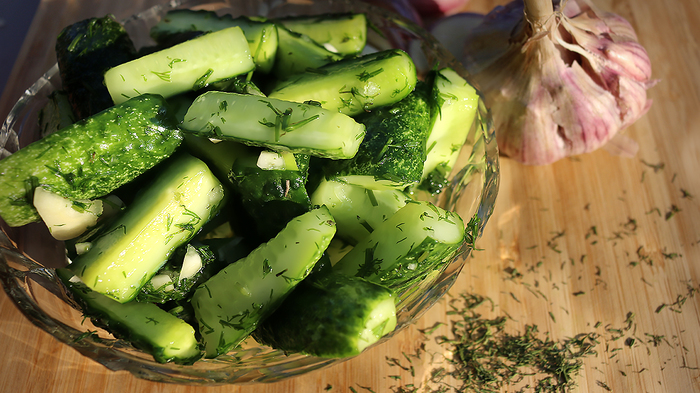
[[15, 18]]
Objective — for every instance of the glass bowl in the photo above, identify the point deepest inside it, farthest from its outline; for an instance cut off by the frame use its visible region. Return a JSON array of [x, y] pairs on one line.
[[29, 255]]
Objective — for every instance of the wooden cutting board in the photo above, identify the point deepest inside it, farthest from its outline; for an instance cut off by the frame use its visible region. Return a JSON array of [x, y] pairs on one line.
[[596, 244]]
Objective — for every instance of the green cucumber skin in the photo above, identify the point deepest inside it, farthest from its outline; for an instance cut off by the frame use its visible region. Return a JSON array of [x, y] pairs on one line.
[[393, 151], [261, 122], [325, 317], [188, 66], [163, 335], [353, 85], [262, 35], [169, 212], [230, 305], [346, 32], [84, 51], [297, 53], [90, 158], [271, 197], [357, 210], [415, 241]]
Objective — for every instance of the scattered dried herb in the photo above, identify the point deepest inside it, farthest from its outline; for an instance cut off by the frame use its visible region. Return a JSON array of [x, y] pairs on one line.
[[672, 212], [552, 243], [603, 385], [488, 358], [656, 339], [670, 255], [656, 167], [680, 299]]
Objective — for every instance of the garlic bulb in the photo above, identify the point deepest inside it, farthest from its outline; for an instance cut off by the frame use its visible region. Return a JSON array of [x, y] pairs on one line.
[[560, 79]]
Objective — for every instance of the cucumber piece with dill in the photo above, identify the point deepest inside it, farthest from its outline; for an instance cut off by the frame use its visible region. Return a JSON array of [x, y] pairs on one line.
[[191, 65], [336, 316], [166, 337], [353, 85], [190, 266], [407, 247], [297, 52], [272, 189], [90, 158], [229, 306], [84, 51], [344, 33], [302, 128], [457, 102], [261, 34], [393, 152], [357, 210], [169, 212], [57, 114], [219, 155]]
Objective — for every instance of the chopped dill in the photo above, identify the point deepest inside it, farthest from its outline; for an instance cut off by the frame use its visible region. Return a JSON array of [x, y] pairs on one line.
[[672, 212], [486, 357], [656, 167]]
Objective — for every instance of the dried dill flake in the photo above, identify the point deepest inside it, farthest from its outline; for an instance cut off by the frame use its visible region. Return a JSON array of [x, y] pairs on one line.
[[487, 358]]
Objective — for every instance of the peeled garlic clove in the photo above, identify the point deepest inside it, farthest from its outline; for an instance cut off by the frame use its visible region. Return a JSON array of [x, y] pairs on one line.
[[564, 88]]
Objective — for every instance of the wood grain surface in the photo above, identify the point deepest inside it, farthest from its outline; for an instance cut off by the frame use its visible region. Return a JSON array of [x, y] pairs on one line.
[[594, 244]]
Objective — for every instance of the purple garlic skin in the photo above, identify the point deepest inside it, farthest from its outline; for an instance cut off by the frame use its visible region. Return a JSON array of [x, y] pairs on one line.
[[560, 88]]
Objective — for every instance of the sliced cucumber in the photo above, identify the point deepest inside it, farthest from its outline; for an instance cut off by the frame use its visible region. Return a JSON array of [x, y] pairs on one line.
[[407, 247], [298, 52], [191, 65], [230, 305], [357, 210], [353, 85], [334, 317], [344, 33], [163, 335], [276, 124], [166, 215], [261, 35], [457, 102]]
